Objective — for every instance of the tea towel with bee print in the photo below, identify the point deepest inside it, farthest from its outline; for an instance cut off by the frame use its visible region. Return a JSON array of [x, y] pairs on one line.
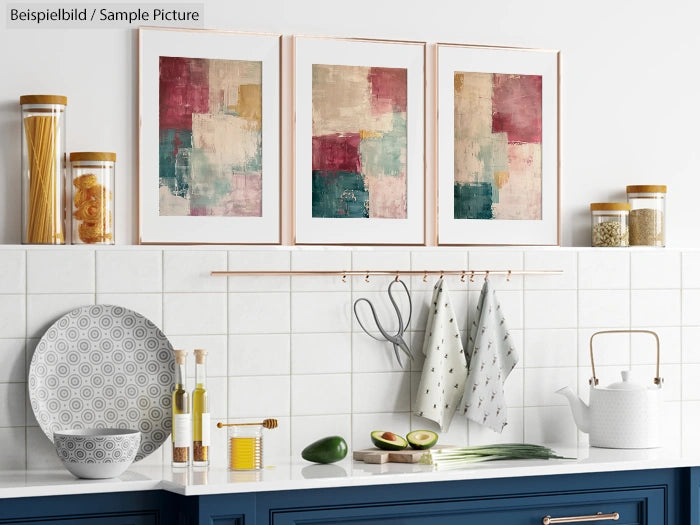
[[491, 357], [445, 369]]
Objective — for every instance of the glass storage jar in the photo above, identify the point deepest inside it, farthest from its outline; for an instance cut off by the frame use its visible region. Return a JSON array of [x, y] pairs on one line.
[[609, 224], [93, 197], [647, 215], [43, 168]]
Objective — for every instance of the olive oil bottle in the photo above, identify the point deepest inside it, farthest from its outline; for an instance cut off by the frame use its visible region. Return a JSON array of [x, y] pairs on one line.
[[201, 421], [181, 416]]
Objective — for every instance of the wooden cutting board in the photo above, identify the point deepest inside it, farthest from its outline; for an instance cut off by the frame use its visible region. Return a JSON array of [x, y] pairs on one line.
[[375, 455]]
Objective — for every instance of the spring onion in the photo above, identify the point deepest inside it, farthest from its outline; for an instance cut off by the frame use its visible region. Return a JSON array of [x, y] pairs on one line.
[[458, 457]]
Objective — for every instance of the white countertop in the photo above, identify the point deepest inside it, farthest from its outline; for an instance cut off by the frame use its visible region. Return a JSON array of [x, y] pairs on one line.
[[298, 474]]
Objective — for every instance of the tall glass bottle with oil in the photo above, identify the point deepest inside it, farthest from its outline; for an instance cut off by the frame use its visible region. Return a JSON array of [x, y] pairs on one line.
[[201, 421]]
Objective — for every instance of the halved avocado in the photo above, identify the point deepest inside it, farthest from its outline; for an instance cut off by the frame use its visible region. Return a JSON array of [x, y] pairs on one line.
[[388, 440], [421, 439]]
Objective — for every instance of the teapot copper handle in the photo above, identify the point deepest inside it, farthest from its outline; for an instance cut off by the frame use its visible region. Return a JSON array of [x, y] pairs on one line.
[[657, 380]]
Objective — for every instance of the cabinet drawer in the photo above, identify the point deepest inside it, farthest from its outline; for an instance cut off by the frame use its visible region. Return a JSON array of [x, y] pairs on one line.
[[634, 506]]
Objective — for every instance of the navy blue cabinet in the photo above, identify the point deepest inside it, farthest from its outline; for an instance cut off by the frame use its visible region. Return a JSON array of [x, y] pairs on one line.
[[694, 495], [653, 497], [647, 497], [120, 508]]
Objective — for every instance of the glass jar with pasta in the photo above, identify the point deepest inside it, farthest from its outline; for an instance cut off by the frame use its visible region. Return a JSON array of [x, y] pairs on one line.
[[93, 197], [43, 168]]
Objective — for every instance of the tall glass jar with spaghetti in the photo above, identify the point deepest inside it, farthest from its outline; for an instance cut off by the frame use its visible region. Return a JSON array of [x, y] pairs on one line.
[[43, 168], [93, 197]]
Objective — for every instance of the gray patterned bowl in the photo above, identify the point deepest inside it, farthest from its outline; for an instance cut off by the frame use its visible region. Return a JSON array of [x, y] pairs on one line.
[[97, 453]]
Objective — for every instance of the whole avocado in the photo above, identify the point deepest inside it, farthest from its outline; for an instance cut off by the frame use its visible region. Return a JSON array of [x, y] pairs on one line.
[[326, 450]]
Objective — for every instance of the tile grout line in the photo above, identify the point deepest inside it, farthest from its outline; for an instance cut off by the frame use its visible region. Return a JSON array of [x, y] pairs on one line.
[[578, 329], [680, 393], [289, 373]]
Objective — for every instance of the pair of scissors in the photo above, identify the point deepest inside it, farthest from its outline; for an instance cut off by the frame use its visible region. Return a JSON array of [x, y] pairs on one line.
[[397, 339]]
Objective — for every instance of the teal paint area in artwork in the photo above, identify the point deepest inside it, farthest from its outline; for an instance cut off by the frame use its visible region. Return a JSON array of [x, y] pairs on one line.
[[384, 153], [473, 200], [174, 152], [338, 194]]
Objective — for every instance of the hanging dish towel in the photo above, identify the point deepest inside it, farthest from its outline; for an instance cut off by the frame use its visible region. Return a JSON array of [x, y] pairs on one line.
[[445, 369], [491, 357]]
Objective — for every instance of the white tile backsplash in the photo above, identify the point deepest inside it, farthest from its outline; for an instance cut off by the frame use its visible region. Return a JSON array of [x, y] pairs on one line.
[[320, 259], [690, 344], [320, 394], [604, 269], [655, 307], [258, 396], [258, 354], [290, 348], [12, 400], [17, 459], [13, 356], [482, 259], [381, 392], [655, 269], [549, 309], [604, 308], [216, 347], [258, 313], [320, 312], [540, 385], [190, 271], [329, 353], [13, 271], [60, 270], [258, 261], [552, 259], [690, 307], [150, 305], [690, 266], [129, 271], [13, 320], [307, 429], [44, 309], [194, 313], [549, 347]]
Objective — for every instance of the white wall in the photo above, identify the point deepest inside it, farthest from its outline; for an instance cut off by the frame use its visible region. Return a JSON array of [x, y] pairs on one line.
[[629, 89]]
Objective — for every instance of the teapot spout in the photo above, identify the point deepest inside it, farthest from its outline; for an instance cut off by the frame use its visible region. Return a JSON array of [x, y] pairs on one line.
[[580, 410]]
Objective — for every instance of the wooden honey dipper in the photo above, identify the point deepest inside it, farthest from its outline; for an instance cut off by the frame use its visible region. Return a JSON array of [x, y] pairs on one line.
[[266, 423]]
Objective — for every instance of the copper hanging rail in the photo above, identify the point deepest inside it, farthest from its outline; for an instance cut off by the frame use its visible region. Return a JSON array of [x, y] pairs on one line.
[[394, 273]]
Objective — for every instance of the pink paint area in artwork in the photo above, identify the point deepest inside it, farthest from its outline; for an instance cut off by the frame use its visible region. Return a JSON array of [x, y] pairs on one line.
[[336, 152], [388, 91], [387, 196], [517, 107], [243, 200], [521, 197], [184, 89]]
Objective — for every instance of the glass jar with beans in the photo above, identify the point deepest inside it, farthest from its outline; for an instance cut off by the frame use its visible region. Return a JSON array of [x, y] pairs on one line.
[[610, 224]]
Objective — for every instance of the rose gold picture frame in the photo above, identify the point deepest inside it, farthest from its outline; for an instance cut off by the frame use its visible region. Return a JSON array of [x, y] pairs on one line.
[[209, 137], [359, 141], [498, 145]]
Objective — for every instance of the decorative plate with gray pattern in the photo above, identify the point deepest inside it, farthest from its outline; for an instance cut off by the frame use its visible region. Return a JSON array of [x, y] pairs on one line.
[[103, 366]]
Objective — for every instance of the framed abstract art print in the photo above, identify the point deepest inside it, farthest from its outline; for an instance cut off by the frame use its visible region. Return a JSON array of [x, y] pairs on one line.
[[359, 141], [498, 146], [209, 136]]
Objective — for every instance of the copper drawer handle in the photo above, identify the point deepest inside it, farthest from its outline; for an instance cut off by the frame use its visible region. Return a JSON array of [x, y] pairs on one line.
[[580, 519]]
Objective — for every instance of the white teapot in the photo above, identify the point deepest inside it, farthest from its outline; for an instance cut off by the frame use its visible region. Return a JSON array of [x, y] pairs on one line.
[[623, 414]]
